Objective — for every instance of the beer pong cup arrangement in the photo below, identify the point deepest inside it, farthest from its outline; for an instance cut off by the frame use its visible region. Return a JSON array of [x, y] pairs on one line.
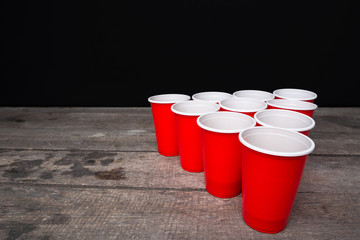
[[249, 142], [306, 108], [285, 119], [223, 152], [248, 106], [189, 133]]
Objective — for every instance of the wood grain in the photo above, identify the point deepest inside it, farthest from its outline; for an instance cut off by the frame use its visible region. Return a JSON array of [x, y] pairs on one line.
[[336, 174], [68, 213], [337, 130], [94, 173]]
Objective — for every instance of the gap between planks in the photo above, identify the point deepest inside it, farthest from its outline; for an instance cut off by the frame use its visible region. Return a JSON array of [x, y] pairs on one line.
[[32, 184], [73, 186], [150, 151], [71, 150]]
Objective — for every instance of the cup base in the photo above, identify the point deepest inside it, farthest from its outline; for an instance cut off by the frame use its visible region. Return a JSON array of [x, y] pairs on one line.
[[169, 154], [263, 225], [223, 190], [193, 170]]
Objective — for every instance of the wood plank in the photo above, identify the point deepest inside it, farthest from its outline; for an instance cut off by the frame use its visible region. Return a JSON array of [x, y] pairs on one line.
[[66, 213], [91, 168], [337, 130], [124, 129], [327, 174], [94, 173]]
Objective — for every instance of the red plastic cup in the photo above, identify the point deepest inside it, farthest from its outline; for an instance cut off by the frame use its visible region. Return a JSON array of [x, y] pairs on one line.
[[295, 94], [285, 119], [214, 97], [306, 108], [164, 122], [257, 94], [222, 151], [248, 106], [189, 133], [273, 164]]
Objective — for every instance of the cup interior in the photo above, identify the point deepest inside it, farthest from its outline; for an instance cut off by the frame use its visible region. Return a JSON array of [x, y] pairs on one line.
[[211, 96], [194, 108], [168, 98], [243, 104], [257, 94], [295, 94], [284, 119], [292, 104], [225, 122], [276, 141]]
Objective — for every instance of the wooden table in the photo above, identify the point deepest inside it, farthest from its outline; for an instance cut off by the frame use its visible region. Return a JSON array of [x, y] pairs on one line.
[[94, 173]]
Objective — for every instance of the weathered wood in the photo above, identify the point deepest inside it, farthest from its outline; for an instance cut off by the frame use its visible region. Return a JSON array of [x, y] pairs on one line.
[[337, 130], [94, 173], [121, 129], [91, 168], [326, 174], [63, 213]]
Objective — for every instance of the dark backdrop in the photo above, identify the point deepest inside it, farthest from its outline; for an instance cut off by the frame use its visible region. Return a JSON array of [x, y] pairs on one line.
[[80, 53]]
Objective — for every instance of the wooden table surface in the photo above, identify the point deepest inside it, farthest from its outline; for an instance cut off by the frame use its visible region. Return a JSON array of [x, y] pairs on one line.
[[94, 173]]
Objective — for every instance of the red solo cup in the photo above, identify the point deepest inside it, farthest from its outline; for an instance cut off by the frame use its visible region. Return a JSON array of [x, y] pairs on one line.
[[189, 133], [222, 151], [164, 122], [285, 119], [274, 160], [295, 94], [214, 97], [257, 94], [248, 106], [306, 108]]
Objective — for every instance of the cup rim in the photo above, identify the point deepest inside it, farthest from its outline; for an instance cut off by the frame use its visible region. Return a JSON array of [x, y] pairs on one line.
[[277, 131], [291, 104], [282, 92], [192, 102], [222, 104], [288, 112], [224, 95], [266, 95], [224, 114], [168, 98]]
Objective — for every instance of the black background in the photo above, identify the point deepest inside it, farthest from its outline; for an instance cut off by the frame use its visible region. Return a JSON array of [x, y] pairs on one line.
[[84, 53]]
